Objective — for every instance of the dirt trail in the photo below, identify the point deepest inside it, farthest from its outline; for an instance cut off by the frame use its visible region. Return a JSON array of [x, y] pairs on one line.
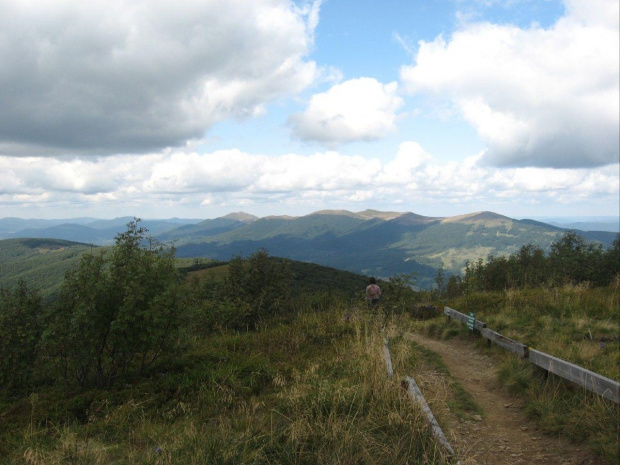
[[503, 435]]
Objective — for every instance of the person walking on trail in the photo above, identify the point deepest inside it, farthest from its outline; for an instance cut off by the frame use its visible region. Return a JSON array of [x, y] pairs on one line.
[[373, 293]]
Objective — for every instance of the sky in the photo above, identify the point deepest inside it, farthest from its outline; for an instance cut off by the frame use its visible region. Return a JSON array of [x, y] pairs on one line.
[[200, 108]]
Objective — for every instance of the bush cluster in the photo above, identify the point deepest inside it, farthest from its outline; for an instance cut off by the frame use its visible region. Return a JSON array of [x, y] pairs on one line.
[[256, 287], [115, 315], [125, 308], [570, 260]]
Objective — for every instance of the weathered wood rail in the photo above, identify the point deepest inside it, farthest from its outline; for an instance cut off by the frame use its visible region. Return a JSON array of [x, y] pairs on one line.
[[587, 379], [594, 382], [415, 393]]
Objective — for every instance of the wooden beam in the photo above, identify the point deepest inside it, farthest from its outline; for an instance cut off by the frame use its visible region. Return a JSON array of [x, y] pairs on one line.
[[450, 312], [415, 393], [506, 343], [594, 382], [388, 359]]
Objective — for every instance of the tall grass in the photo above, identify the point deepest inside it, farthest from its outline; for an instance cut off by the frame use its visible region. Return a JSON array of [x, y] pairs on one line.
[[308, 390], [576, 323], [579, 324]]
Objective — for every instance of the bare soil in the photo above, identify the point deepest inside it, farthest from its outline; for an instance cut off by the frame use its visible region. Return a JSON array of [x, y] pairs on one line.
[[503, 435]]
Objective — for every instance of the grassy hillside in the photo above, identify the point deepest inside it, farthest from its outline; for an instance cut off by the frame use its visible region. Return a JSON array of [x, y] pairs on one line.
[[41, 263], [307, 278], [368, 242], [259, 369], [578, 324], [407, 243], [311, 388]]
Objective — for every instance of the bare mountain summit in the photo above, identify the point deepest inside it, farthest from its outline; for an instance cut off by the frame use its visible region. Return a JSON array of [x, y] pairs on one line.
[[241, 216]]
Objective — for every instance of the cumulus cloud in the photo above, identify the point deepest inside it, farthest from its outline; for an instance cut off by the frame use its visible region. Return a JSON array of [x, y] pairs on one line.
[[537, 97], [355, 110], [404, 169], [125, 76], [164, 183]]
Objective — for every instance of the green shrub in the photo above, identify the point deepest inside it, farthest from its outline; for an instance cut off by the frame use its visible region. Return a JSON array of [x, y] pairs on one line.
[[116, 314]]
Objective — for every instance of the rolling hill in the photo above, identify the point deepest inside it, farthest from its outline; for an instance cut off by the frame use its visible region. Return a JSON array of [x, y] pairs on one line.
[[86, 230], [380, 243], [41, 263], [369, 242]]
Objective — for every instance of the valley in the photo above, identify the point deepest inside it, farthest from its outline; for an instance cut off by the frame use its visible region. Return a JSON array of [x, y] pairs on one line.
[[369, 242]]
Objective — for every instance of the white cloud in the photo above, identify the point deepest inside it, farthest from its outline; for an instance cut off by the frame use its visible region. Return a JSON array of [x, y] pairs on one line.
[[162, 184], [410, 159], [358, 109], [537, 97], [125, 76]]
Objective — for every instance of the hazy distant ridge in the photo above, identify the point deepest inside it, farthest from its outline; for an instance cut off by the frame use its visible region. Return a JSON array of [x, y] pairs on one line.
[[369, 241]]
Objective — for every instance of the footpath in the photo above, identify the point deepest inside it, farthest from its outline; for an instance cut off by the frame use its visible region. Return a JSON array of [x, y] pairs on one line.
[[503, 435]]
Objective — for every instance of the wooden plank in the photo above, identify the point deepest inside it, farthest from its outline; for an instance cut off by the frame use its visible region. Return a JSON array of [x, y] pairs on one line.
[[506, 343], [455, 314], [594, 382], [388, 359], [386, 354], [462, 318], [415, 393]]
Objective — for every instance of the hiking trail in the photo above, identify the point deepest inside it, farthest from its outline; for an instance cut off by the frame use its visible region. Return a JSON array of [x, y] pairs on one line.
[[503, 435]]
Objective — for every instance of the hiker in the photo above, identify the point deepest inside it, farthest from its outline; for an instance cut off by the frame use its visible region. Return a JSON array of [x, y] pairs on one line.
[[373, 292]]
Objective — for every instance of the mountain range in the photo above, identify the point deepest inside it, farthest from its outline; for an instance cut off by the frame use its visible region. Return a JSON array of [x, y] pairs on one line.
[[369, 242]]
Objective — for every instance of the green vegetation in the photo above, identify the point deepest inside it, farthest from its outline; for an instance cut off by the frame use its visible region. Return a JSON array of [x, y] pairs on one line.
[[311, 390], [132, 363], [145, 359], [575, 322], [571, 259], [116, 314], [381, 246], [20, 334], [40, 263]]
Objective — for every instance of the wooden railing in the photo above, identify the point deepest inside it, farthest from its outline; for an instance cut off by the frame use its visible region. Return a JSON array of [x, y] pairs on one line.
[[415, 393], [589, 380]]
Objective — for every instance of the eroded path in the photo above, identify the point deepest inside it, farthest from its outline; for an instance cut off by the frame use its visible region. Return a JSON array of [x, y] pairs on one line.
[[503, 435]]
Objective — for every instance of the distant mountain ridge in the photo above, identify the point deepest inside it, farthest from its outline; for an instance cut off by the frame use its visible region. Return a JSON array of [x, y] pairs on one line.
[[370, 242], [380, 243], [87, 230]]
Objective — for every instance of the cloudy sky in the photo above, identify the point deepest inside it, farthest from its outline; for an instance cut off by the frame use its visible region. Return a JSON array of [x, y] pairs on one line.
[[199, 108]]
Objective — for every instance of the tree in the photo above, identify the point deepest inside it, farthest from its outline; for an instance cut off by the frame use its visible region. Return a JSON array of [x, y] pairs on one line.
[[575, 260], [20, 332], [255, 287], [454, 288], [397, 294], [117, 313], [440, 281], [611, 262]]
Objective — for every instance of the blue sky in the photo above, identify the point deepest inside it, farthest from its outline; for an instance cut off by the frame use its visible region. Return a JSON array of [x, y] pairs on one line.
[[439, 107]]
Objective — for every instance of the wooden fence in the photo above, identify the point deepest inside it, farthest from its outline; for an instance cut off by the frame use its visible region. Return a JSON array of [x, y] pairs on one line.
[[415, 393], [587, 379]]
